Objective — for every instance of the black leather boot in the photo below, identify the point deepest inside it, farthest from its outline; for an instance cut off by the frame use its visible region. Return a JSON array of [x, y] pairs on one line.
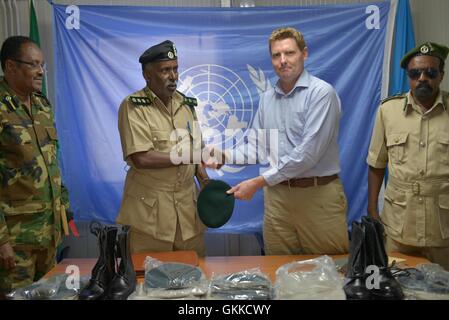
[[388, 287], [104, 270], [124, 282], [355, 287]]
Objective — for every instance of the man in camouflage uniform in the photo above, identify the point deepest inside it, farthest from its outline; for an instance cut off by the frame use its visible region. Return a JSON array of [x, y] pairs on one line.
[[159, 201], [411, 136], [31, 194]]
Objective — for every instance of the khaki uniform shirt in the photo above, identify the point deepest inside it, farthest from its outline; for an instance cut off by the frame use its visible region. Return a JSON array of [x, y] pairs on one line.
[[155, 200], [30, 181], [416, 148]]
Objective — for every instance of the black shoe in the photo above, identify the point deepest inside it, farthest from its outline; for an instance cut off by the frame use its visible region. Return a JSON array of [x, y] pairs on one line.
[[104, 270], [124, 281]]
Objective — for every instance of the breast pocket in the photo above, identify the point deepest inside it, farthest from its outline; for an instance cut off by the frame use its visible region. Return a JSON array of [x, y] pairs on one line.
[[396, 143], [443, 147], [17, 144], [161, 141]]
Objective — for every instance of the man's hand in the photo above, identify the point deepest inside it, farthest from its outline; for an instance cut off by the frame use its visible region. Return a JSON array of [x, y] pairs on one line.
[[7, 260], [213, 158], [245, 190], [374, 214]]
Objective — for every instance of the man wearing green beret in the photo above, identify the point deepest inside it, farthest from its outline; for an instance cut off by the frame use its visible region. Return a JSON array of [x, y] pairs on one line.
[[411, 137], [159, 200]]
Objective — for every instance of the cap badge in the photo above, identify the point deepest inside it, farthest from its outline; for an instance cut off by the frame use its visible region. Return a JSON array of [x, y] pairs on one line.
[[424, 49]]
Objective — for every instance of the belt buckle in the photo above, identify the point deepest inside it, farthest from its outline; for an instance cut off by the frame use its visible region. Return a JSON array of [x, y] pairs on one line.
[[315, 181], [415, 188]]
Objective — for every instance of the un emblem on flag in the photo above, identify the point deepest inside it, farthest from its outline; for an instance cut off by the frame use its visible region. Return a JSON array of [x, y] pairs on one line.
[[225, 102]]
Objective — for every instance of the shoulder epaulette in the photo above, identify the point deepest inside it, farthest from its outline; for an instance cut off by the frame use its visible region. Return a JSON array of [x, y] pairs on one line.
[[191, 102], [9, 101], [396, 96], [140, 101], [42, 96]]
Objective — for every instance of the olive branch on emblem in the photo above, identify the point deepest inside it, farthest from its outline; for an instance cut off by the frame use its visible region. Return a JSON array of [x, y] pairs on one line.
[[259, 79]]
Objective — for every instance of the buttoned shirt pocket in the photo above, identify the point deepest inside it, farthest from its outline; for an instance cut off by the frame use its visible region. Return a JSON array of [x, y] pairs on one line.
[[161, 140], [396, 143], [443, 147], [17, 144], [140, 209], [395, 206], [443, 210]]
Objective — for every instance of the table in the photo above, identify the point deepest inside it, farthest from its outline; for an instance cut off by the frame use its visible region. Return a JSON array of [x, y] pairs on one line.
[[229, 264]]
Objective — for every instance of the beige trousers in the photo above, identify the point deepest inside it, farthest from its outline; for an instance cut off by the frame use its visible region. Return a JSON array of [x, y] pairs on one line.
[[142, 242], [305, 220], [438, 255]]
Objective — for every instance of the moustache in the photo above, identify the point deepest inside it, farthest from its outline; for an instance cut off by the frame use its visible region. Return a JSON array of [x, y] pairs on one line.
[[423, 86], [423, 91]]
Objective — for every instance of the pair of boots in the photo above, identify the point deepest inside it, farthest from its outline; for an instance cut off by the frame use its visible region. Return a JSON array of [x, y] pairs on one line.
[[367, 248], [110, 280]]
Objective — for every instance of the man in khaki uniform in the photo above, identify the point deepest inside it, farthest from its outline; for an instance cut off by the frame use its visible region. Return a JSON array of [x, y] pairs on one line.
[[411, 136], [158, 128]]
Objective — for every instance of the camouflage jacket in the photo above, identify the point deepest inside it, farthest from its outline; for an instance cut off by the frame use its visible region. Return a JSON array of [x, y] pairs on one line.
[[31, 192]]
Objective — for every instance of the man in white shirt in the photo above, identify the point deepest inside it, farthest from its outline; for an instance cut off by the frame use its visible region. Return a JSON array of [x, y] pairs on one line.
[[305, 205]]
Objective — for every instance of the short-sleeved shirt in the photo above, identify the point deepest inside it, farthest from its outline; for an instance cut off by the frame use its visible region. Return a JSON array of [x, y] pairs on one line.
[[415, 147], [155, 199]]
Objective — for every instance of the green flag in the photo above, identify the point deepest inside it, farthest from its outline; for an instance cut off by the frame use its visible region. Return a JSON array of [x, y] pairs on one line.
[[34, 35]]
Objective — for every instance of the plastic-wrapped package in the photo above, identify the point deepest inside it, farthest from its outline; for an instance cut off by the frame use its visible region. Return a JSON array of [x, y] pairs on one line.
[[170, 280], [314, 279], [249, 284], [427, 281], [53, 288]]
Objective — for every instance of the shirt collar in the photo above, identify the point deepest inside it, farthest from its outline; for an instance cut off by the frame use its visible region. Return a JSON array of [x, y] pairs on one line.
[[177, 98], [410, 102], [302, 82]]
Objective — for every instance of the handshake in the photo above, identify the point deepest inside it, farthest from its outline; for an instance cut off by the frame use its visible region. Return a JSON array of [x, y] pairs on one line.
[[213, 157]]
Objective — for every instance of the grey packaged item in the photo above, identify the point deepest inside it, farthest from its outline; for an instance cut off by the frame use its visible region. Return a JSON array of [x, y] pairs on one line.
[[245, 285], [57, 287], [425, 282], [172, 276]]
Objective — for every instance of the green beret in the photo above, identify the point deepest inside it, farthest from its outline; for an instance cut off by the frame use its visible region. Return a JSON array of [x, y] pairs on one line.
[[214, 205], [160, 52], [426, 49]]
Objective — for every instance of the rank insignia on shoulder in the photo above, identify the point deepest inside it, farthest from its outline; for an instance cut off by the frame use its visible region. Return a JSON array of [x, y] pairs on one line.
[[396, 96], [140, 101], [9, 101], [192, 102]]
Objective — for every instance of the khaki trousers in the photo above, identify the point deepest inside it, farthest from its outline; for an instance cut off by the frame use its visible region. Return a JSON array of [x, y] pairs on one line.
[[438, 255], [142, 242], [305, 220]]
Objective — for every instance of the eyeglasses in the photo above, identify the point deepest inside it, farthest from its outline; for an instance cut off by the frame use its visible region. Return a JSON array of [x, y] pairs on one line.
[[33, 65], [430, 73]]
